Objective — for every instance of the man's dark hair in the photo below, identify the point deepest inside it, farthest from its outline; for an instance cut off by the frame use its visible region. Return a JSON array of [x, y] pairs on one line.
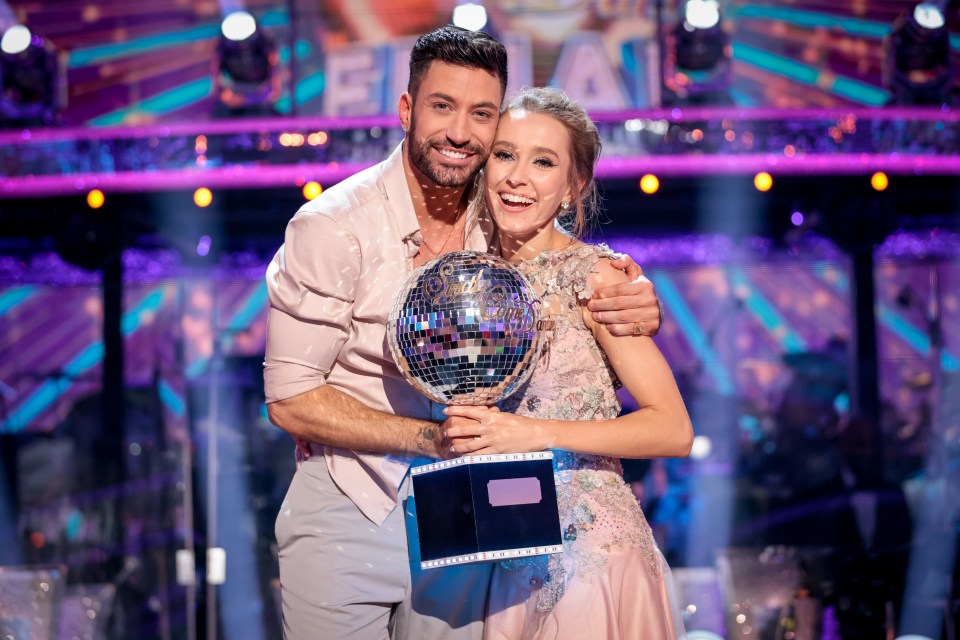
[[460, 47]]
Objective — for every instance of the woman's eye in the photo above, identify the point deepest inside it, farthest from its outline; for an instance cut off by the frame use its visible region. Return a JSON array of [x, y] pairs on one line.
[[543, 162], [501, 155]]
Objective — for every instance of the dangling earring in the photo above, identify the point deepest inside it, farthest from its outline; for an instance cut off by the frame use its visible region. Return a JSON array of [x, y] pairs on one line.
[[564, 206]]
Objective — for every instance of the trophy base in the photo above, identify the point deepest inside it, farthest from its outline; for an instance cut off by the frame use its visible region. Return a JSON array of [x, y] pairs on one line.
[[486, 508], [492, 556]]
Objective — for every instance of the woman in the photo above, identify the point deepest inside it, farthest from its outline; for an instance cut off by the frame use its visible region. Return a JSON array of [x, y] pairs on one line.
[[611, 580]]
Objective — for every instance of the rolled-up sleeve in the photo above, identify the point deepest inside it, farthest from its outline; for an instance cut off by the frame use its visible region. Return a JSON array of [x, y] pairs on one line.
[[312, 283]]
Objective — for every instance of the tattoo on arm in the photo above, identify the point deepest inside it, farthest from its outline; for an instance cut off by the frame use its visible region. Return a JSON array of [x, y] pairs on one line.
[[427, 438]]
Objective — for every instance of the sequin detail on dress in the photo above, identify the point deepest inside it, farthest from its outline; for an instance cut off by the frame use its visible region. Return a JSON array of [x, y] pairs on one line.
[[574, 381]]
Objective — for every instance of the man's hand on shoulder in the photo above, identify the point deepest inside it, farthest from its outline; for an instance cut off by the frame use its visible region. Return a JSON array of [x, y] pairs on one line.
[[627, 308]]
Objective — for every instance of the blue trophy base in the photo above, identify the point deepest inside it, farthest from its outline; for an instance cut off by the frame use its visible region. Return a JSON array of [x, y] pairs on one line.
[[486, 508]]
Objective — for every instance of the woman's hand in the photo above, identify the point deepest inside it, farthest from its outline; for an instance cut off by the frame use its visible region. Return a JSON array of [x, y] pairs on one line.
[[482, 430]]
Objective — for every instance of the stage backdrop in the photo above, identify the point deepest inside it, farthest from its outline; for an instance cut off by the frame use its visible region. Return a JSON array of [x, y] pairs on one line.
[[129, 62], [743, 319]]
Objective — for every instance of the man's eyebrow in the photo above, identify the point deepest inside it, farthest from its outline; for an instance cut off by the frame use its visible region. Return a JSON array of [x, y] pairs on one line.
[[448, 98]]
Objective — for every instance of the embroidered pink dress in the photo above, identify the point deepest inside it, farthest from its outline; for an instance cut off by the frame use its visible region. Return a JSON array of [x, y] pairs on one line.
[[611, 581]]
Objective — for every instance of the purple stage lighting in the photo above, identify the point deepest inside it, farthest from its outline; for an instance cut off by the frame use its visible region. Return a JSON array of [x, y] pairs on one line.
[[203, 245]]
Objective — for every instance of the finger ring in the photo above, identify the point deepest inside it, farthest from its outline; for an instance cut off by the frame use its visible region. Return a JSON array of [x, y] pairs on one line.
[[638, 329]]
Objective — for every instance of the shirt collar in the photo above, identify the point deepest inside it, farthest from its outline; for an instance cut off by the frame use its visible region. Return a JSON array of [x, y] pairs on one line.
[[393, 187]]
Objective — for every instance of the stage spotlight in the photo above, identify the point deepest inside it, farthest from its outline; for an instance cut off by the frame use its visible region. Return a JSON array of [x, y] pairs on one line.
[[928, 15], [698, 62], [95, 199], [30, 76], [702, 14], [917, 68], [879, 181], [470, 15], [202, 197], [246, 80], [311, 190], [238, 26], [700, 41], [763, 181], [649, 184]]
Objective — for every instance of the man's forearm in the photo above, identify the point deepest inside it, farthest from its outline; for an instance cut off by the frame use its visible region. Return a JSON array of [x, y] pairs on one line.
[[331, 417]]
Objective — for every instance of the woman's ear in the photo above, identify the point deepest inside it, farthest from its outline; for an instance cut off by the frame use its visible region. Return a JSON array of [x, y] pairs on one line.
[[581, 184], [572, 196]]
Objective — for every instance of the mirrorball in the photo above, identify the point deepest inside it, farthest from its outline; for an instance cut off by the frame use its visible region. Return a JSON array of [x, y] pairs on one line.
[[464, 329]]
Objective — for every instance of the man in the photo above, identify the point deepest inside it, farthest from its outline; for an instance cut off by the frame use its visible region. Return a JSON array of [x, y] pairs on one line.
[[331, 383]]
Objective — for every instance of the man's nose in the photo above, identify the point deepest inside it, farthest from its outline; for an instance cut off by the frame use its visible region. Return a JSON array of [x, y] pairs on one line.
[[459, 130]]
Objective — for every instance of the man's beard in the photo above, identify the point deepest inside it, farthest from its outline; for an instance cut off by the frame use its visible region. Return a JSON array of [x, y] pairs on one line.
[[443, 176]]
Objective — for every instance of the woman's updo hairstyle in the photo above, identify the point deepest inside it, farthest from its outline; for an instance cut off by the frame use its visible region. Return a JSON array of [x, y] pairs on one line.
[[584, 148]]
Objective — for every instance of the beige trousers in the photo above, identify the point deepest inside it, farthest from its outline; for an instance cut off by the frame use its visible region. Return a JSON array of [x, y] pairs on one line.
[[343, 577]]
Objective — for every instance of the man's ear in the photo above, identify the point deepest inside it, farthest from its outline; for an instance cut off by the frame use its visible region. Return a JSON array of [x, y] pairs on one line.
[[405, 110]]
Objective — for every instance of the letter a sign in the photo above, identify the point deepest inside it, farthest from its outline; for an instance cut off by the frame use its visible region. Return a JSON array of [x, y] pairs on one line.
[[584, 72]]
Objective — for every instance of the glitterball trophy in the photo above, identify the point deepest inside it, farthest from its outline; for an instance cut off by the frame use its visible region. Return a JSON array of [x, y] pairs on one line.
[[464, 329]]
